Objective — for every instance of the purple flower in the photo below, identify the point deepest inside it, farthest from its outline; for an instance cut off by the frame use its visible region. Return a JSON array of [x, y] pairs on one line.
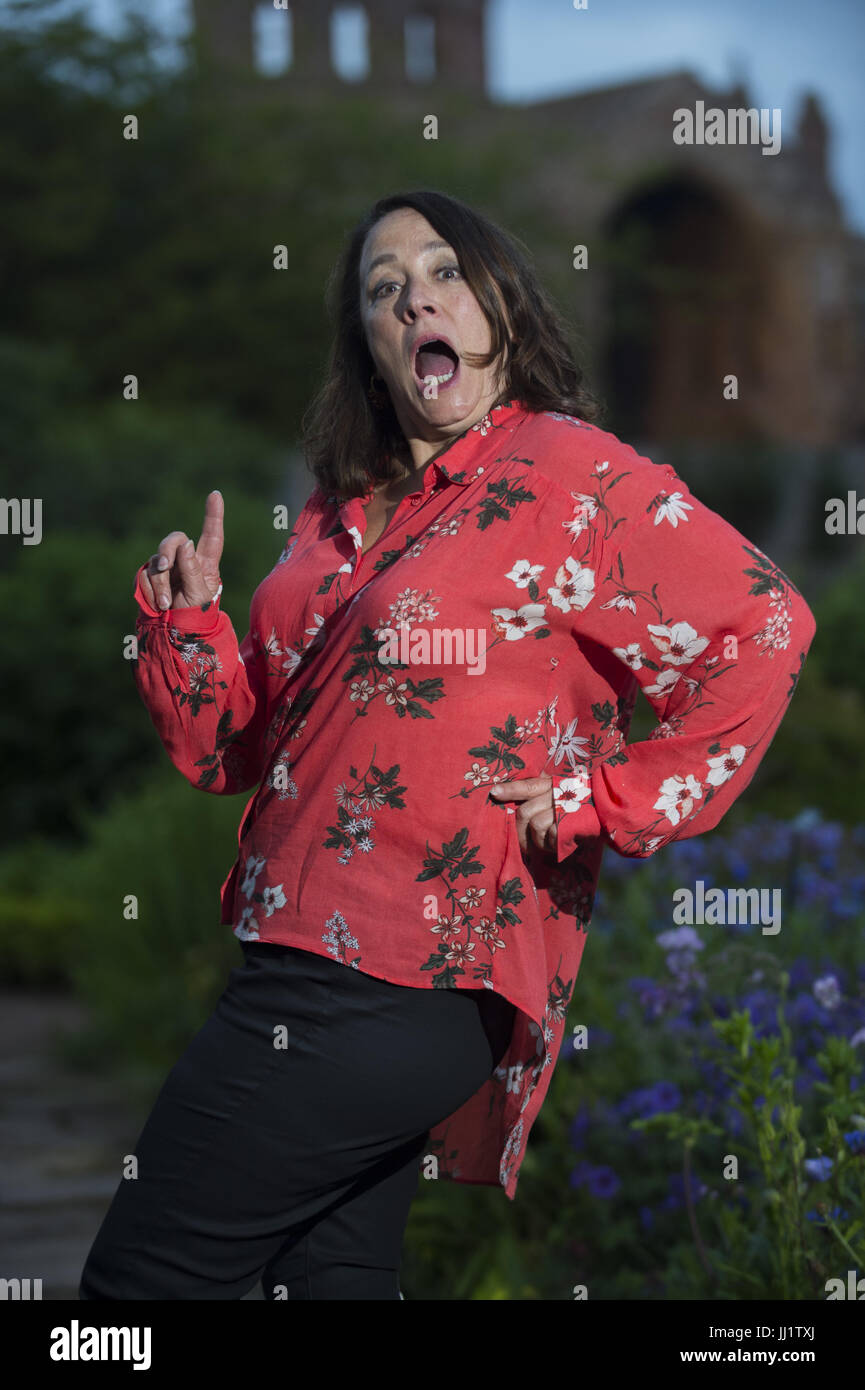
[[651, 996], [680, 939], [647, 1218], [603, 1182], [855, 1140]]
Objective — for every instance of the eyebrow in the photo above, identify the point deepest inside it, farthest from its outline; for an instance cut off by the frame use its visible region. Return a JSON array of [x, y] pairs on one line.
[[389, 256]]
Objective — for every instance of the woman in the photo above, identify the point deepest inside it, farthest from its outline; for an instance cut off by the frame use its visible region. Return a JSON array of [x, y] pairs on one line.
[[432, 701]]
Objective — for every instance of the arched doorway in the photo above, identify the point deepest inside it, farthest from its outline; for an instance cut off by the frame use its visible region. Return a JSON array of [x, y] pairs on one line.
[[686, 295]]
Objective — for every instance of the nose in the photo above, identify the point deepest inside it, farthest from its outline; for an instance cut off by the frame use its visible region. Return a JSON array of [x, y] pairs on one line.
[[417, 300]]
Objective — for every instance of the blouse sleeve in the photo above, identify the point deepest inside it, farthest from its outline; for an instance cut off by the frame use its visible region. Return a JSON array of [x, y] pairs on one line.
[[716, 636], [206, 696]]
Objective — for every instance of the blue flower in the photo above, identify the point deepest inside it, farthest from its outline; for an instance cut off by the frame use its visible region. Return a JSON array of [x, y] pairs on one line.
[[676, 1195], [855, 1140], [647, 1218], [580, 1173], [804, 1009], [819, 1168], [665, 1095], [836, 1214], [579, 1126]]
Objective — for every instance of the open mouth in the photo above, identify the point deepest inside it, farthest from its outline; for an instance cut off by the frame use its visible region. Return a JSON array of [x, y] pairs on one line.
[[436, 359]]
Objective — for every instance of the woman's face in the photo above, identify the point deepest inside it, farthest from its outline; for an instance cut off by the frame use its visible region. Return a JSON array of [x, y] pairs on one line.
[[412, 289]]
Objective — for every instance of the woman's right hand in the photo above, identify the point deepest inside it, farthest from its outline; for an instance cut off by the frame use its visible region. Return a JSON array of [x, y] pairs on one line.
[[181, 575]]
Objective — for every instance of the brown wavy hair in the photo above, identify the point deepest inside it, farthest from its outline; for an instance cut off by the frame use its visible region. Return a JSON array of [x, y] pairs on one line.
[[347, 441]]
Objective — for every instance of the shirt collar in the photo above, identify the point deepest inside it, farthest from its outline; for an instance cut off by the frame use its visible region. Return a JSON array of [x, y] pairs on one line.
[[447, 464]]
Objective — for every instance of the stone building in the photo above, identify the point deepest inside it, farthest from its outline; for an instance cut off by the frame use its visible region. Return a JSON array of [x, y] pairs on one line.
[[709, 259]]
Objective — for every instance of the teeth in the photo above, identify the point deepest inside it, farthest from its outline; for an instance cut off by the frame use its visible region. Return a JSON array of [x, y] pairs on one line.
[[441, 379]]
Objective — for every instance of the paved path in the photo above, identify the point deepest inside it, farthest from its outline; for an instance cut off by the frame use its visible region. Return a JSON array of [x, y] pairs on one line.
[[62, 1137]]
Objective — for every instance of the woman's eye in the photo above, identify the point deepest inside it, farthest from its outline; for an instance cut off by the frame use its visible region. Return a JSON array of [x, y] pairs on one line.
[[386, 284]]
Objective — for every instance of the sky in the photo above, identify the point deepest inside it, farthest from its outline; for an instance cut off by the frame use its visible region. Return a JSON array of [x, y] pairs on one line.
[[540, 49]]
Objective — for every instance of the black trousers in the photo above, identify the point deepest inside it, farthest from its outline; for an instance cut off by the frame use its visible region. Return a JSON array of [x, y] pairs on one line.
[[285, 1144]]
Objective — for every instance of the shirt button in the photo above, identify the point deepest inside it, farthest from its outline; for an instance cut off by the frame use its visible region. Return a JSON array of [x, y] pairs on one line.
[[414, 500]]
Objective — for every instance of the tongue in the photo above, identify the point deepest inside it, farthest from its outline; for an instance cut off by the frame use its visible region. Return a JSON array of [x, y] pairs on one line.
[[432, 362]]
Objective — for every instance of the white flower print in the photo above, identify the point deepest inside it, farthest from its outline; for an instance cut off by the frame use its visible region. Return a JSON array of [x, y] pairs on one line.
[[338, 939], [447, 927], [724, 766], [632, 655], [409, 607], [489, 934], [510, 1151], [459, 951], [574, 586], [678, 644], [566, 744], [281, 783], [523, 573], [584, 512], [187, 651], [472, 897], [477, 774], [673, 510], [361, 690], [273, 649], [668, 728], [254, 865], [272, 898], [775, 636], [677, 798], [664, 684], [620, 601], [395, 693], [286, 554], [247, 928], [570, 792], [513, 624]]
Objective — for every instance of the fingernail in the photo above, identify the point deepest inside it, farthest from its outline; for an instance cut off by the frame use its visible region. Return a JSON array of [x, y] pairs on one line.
[[495, 791], [164, 600], [162, 562], [189, 546]]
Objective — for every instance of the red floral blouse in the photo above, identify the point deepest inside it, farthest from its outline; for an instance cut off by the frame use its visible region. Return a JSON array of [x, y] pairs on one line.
[[499, 628]]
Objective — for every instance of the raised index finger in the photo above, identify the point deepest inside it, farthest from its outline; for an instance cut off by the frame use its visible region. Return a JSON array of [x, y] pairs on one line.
[[209, 548]]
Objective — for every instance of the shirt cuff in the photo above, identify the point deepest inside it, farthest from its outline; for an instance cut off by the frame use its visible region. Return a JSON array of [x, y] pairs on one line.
[[185, 619], [576, 817]]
